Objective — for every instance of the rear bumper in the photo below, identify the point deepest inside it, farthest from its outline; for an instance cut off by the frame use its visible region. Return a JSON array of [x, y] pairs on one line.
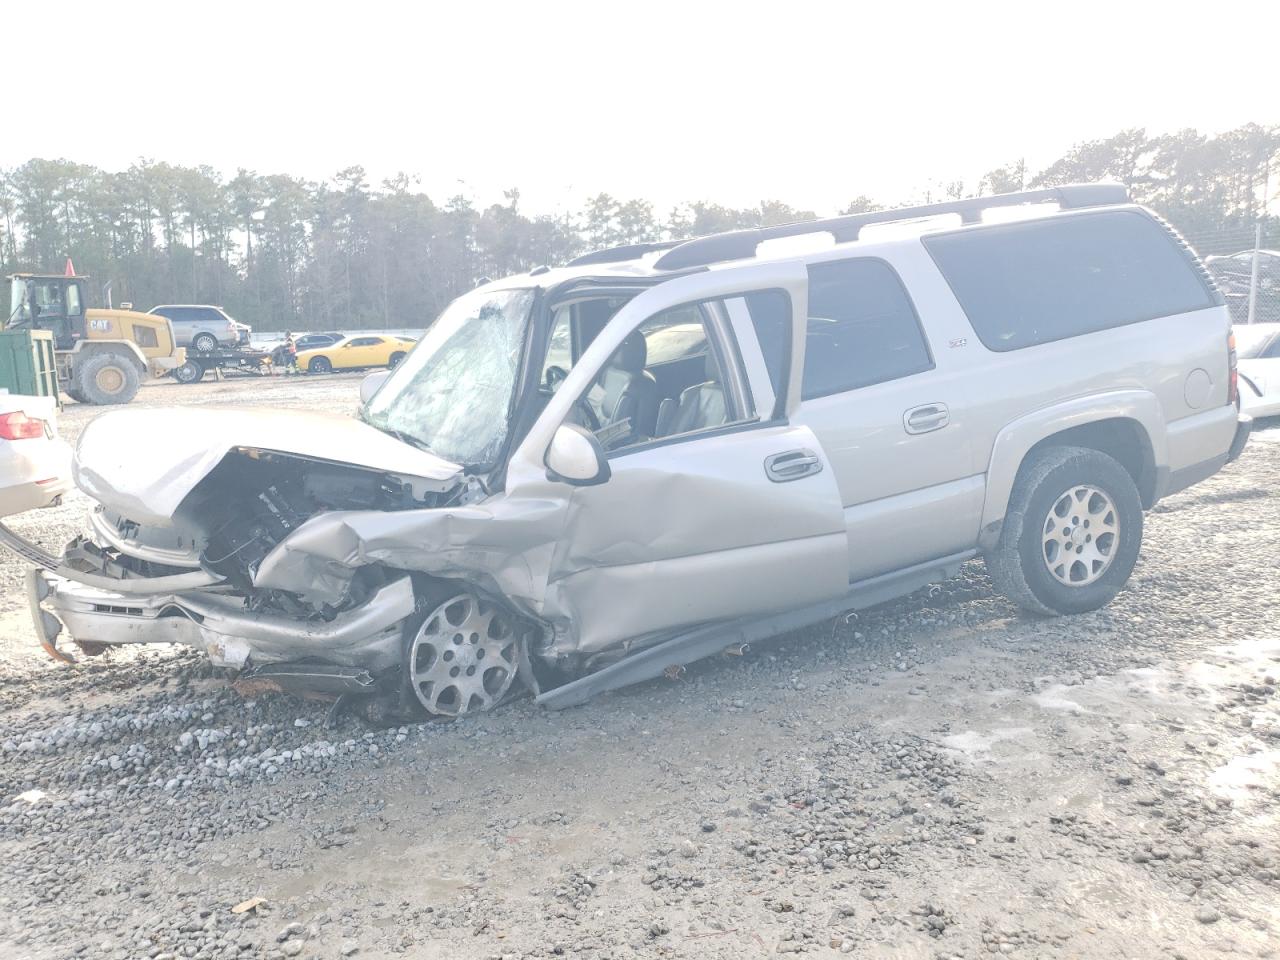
[[1244, 426], [35, 473], [367, 636], [1177, 480]]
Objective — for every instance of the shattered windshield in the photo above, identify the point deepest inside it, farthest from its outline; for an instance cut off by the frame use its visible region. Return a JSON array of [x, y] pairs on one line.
[[453, 392]]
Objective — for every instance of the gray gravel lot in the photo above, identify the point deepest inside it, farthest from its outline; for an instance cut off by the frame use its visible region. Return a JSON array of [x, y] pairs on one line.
[[939, 777]]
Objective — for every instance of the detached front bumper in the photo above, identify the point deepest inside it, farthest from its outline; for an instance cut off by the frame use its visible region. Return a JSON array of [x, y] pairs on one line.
[[367, 636]]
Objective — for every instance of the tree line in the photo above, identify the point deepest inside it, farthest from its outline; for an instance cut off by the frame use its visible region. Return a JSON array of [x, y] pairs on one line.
[[279, 251]]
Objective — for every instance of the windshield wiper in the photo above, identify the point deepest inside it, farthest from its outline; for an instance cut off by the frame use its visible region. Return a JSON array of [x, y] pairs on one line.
[[402, 437]]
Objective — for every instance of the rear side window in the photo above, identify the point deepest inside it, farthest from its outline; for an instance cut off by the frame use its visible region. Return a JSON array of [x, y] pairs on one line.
[[862, 328], [1045, 280]]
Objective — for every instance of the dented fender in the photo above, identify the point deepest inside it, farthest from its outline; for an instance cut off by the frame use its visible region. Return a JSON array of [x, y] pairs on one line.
[[504, 545]]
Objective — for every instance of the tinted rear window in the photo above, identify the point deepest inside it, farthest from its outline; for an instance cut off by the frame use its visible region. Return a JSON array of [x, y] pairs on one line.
[[862, 328], [1044, 280]]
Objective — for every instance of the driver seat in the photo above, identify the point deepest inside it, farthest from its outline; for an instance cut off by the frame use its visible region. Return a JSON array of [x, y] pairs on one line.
[[627, 389]]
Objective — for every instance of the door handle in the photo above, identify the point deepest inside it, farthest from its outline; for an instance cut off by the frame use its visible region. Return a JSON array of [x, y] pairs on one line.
[[792, 465], [929, 416]]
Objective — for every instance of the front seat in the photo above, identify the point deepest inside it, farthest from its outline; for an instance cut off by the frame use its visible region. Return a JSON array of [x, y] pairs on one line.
[[701, 406], [628, 390]]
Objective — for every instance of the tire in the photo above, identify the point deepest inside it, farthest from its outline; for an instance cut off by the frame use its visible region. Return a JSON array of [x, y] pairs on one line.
[[1047, 562], [394, 360], [205, 343], [107, 378], [320, 365], [74, 394], [189, 372]]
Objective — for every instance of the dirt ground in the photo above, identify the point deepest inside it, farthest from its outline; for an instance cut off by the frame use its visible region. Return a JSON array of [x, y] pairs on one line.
[[939, 777]]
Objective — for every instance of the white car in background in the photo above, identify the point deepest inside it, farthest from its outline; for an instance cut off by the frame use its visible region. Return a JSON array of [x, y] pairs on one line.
[[35, 465], [1258, 359]]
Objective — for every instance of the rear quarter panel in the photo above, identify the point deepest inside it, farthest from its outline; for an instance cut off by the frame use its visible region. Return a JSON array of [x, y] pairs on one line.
[[1168, 374]]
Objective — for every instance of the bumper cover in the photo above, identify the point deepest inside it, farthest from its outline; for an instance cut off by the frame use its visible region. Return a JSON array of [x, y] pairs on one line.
[[368, 636], [1244, 426]]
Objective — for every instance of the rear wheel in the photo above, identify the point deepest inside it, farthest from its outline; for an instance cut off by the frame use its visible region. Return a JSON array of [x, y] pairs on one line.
[[189, 372], [395, 359], [1071, 536], [205, 343], [320, 365], [107, 378]]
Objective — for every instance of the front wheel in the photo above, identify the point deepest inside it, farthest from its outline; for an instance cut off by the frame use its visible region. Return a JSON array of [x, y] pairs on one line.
[[463, 656], [320, 365], [1071, 534], [107, 378]]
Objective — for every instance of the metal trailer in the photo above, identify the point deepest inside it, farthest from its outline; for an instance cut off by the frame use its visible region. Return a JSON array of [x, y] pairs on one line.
[[223, 361]]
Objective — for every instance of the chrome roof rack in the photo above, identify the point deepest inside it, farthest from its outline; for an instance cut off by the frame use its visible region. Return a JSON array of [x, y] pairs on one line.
[[741, 244]]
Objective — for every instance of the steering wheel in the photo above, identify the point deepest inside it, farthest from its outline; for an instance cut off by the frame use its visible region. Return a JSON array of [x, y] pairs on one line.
[[555, 376], [581, 413]]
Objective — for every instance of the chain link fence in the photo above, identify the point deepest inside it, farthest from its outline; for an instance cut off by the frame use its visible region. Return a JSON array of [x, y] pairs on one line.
[[1245, 262]]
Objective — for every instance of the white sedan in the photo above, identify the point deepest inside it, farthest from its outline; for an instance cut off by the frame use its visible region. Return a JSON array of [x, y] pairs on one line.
[[35, 465], [1258, 361]]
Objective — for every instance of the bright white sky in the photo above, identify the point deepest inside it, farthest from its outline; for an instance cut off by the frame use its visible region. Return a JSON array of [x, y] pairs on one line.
[[733, 102]]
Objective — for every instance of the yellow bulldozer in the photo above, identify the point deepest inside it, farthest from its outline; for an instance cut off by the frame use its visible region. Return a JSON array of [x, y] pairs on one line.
[[102, 355]]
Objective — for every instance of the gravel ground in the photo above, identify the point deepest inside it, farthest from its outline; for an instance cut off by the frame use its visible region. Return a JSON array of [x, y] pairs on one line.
[[938, 777]]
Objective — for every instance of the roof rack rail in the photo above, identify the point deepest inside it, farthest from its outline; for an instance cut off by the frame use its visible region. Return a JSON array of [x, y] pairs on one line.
[[741, 244], [628, 251]]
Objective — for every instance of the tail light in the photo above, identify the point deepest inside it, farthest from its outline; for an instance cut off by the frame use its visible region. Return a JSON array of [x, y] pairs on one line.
[[18, 426], [1233, 375]]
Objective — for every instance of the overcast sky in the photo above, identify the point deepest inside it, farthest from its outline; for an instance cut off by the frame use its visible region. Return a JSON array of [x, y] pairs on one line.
[[810, 103]]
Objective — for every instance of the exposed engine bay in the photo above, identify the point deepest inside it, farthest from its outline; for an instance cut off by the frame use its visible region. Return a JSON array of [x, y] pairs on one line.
[[344, 638], [233, 518]]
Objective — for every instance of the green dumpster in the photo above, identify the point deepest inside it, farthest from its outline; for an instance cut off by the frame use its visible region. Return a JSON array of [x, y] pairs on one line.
[[27, 364]]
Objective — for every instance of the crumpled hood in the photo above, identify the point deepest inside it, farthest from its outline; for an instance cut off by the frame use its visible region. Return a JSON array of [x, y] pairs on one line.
[[143, 463]]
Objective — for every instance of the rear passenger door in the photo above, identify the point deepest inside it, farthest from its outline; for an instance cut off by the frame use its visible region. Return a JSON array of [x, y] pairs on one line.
[[889, 408]]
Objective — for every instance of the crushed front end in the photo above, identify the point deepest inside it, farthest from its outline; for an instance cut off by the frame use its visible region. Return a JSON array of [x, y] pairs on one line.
[[181, 550]]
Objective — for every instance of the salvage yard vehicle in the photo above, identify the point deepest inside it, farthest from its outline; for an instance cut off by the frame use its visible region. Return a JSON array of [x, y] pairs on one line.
[[102, 355], [35, 463], [586, 476], [310, 341], [204, 327], [1258, 347], [358, 352]]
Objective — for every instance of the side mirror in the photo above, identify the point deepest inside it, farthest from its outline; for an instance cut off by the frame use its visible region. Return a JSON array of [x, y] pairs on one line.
[[370, 384], [575, 456]]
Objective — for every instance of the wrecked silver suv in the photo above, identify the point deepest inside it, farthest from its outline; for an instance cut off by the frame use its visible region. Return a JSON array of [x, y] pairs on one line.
[[583, 477]]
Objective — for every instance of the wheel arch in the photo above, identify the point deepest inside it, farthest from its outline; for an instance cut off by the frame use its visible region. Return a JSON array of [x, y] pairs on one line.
[[1126, 425], [124, 348]]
